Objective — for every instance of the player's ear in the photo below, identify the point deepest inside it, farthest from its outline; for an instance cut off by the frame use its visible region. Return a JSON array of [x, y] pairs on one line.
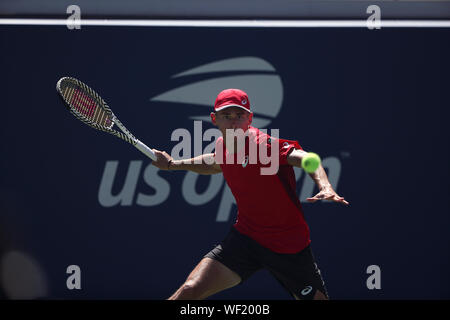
[[213, 118]]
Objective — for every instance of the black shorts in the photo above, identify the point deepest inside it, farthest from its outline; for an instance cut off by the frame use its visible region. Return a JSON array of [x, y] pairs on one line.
[[298, 273]]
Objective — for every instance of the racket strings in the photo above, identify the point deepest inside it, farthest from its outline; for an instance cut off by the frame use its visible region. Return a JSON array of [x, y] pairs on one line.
[[86, 106]]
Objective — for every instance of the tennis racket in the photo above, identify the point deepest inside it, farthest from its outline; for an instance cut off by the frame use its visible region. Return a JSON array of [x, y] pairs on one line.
[[86, 105]]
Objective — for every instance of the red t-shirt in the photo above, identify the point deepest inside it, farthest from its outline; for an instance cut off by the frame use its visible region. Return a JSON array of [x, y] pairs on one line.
[[269, 210]]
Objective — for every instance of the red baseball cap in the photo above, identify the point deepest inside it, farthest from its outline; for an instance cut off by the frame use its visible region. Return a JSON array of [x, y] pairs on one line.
[[232, 98]]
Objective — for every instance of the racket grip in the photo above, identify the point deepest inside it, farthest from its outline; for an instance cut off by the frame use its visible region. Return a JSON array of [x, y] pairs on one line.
[[146, 150]]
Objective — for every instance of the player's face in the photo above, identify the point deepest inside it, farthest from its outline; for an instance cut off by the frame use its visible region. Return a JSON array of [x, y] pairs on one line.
[[232, 118]]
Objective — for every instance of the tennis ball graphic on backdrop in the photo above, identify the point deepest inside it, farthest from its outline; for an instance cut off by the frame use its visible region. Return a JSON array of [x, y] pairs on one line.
[[310, 162]]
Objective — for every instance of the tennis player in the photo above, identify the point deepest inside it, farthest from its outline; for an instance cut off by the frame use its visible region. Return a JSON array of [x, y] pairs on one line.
[[270, 230]]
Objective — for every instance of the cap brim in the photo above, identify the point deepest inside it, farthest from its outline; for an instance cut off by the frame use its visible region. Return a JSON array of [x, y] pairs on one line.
[[232, 105]]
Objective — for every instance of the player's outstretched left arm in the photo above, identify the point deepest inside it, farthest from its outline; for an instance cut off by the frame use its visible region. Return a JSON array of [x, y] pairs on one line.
[[202, 164], [320, 177]]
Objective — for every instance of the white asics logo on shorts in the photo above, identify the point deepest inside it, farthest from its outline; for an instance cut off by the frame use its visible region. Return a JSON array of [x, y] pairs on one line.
[[305, 291]]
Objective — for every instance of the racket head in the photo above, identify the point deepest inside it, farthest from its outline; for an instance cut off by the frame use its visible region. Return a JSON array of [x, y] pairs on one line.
[[85, 104]]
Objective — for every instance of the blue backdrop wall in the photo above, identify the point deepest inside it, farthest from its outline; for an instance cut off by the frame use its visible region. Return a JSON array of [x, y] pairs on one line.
[[372, 103]]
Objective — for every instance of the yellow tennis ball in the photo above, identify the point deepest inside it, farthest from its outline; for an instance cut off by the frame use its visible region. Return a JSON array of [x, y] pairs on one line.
[[310, 162]]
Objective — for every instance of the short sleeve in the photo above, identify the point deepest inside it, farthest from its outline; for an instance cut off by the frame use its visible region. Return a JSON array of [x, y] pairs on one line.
[[286, 147]]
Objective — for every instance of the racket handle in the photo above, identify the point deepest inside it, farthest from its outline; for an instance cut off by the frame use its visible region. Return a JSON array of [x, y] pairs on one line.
[[146, 150]]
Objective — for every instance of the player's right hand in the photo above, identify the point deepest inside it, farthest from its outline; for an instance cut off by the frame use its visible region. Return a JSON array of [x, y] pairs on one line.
[[162, 159]]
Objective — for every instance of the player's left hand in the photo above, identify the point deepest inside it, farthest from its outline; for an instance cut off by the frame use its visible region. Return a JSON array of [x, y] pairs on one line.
[[328, 194]]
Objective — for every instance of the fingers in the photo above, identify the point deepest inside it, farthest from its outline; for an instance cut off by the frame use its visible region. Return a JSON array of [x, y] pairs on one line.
[[319, 196], [327, 196], [162, 159], [340, 200]]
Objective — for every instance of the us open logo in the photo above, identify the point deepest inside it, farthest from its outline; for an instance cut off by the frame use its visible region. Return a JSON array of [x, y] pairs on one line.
[[251, 74], [266, 104]]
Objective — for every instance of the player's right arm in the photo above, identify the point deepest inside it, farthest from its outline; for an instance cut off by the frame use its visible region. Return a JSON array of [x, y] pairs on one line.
[[203, 164]]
